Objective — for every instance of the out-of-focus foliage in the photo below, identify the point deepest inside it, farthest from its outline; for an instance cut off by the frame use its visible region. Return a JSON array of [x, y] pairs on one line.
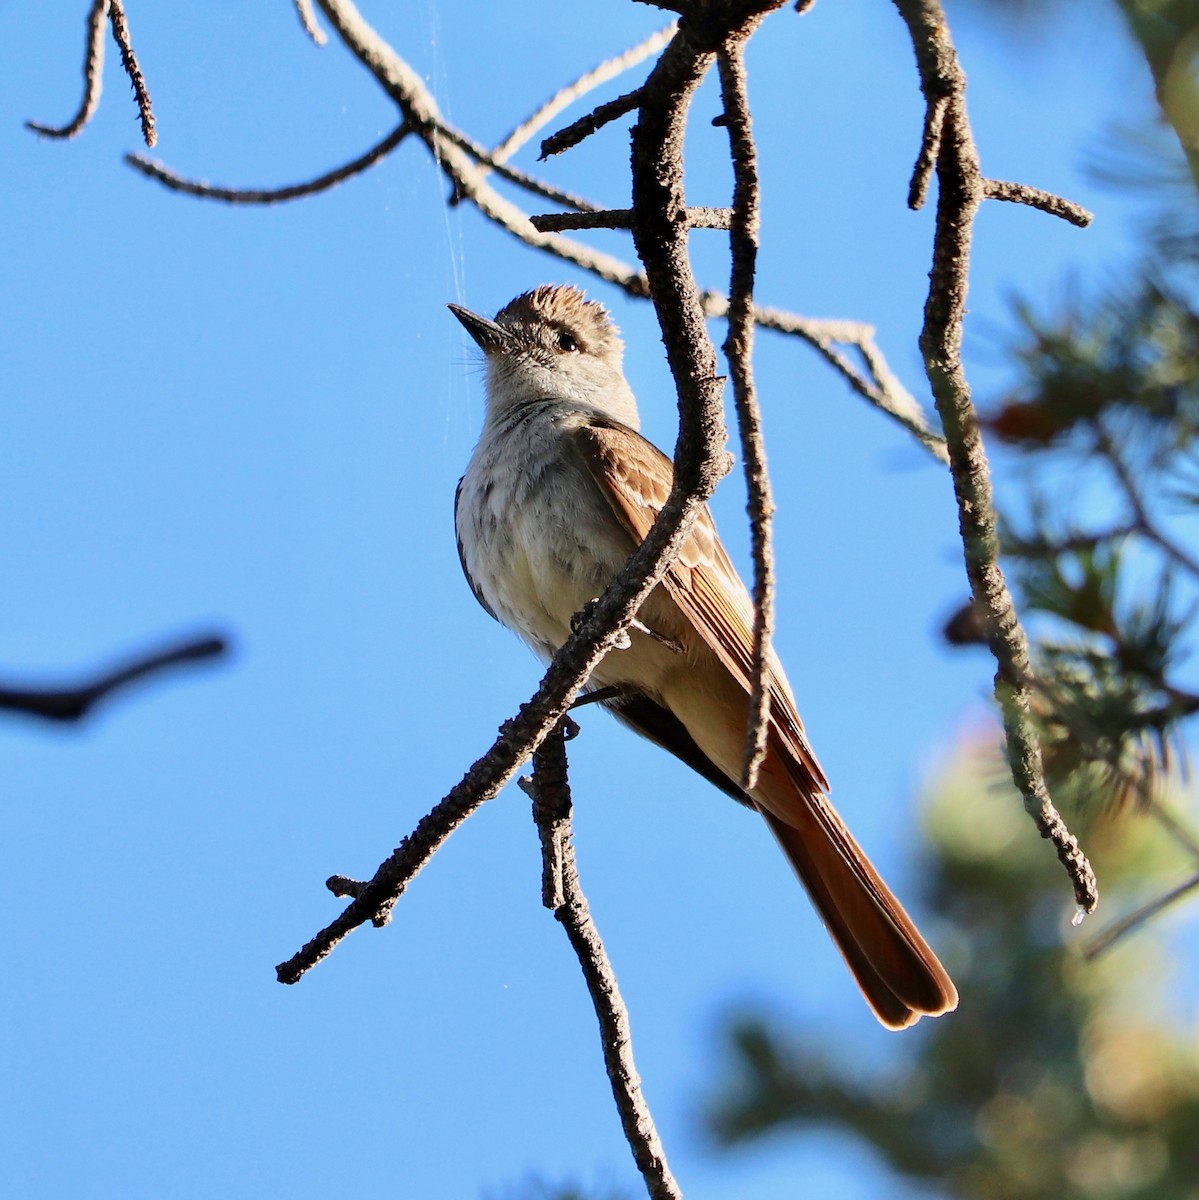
[[1057, 1078]]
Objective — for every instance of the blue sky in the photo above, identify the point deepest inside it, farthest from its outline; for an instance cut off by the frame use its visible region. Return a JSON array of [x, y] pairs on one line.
[[253, 421]]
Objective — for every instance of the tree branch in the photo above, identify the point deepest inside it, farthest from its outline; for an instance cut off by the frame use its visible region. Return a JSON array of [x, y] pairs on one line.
[[1047, 202], [120, 31], [961, 189], [93, 70], [563, 895], [322, 183], [738, 349], [309, 22], [607, 70]]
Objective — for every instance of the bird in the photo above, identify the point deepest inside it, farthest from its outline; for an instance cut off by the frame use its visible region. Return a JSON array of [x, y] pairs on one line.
[[559, 491]]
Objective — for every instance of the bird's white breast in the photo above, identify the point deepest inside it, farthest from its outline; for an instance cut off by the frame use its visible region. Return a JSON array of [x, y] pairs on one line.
[[538, 541]]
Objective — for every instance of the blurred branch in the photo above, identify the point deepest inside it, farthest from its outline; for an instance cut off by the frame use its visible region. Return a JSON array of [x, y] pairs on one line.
[[73, 704], [563, 895], [961, 189], [1104, 941]]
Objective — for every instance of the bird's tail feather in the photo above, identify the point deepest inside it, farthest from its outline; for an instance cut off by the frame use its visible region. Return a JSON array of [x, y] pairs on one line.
[[900, 976]]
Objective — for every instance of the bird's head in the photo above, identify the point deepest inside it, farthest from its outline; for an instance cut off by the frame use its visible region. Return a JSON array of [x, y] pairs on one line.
[[552, 344]]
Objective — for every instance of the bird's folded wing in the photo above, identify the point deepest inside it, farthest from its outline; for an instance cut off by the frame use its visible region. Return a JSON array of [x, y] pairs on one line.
[[636, 477]]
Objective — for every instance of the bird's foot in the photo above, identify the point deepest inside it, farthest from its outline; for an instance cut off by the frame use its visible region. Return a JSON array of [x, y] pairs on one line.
[[669, 643], [622, 642]]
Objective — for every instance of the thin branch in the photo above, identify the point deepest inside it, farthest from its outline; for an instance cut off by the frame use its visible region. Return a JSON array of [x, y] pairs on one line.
[[930, 148], [622, 218], [75, 703], [93, 71], [408, 91], [1047, 202], [738, 349], [120, 31], [1104, 941], [880, 386], [593, 122], [563, 895], [530, 183], [322, 183], [585, 83], [960, 191], [1143, 522], [309, 22]]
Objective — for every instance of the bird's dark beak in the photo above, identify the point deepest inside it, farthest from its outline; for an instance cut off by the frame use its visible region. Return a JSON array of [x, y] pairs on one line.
[[491, 338]]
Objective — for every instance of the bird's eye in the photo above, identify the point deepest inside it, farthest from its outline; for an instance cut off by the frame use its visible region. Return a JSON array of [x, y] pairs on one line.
[[566, 341]]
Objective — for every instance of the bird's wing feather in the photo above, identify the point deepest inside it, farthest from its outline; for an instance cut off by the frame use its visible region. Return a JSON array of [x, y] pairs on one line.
[[636, 477]]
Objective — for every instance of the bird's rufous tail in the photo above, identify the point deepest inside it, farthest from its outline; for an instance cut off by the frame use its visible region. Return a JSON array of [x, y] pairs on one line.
[[898, 973]]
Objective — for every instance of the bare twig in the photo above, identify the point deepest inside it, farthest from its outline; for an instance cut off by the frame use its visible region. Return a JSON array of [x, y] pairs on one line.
[[1021, 193], [738, 349], [530, 183], [622, 218], [594, 121], [120, 31], [75, 703], [606, 71], [960, 191], [1104, 941], [93, 71], [322, 183], [309, 22], [563, 895], [879, 386]]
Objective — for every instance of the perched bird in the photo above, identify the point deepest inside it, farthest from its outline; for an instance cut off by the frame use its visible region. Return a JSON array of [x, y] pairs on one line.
[[559, 491]]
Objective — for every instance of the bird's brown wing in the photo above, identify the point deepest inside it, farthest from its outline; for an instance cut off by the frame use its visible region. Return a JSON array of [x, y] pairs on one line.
[[636, 477], [897, 971]]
